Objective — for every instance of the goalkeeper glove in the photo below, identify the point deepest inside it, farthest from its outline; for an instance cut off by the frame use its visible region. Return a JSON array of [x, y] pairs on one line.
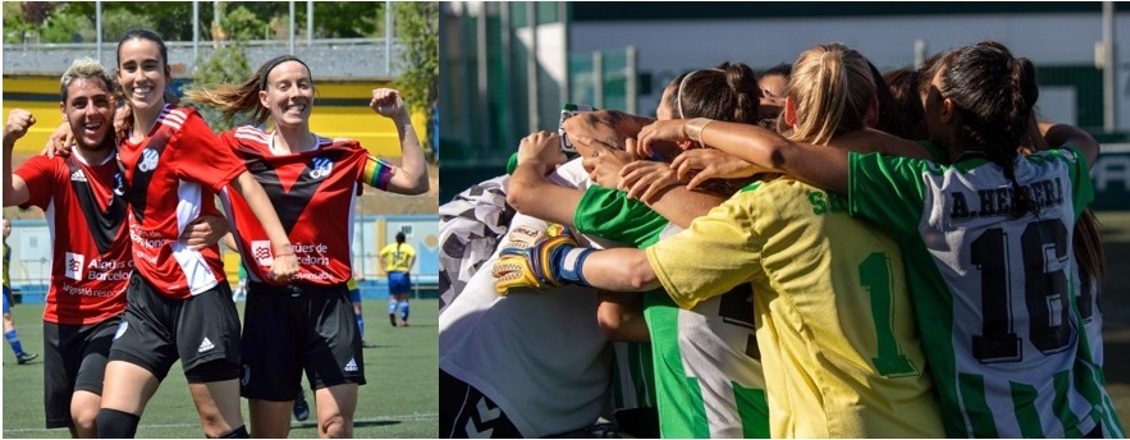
[[538, 260]]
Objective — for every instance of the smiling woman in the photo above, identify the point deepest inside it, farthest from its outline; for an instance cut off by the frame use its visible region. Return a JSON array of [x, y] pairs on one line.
[[315, 182], [172, 166]]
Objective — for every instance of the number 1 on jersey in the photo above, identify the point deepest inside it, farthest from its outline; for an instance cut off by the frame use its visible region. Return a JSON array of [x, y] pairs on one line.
[[875, 276]]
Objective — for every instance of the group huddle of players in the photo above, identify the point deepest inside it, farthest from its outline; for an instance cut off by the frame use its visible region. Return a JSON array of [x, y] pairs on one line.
[[854, 254]]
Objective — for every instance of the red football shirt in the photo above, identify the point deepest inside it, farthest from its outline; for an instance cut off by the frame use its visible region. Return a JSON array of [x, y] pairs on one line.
[[314, 193], [172, 177], [86, 215]]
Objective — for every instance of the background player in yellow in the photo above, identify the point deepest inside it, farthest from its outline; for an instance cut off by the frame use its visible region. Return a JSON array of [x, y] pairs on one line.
[[398, 259]]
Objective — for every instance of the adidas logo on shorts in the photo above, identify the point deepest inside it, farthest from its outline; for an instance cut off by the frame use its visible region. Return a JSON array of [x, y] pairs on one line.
[[205, 345], [351, 367]]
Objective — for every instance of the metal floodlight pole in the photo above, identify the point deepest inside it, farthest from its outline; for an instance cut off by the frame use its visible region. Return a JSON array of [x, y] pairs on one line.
[[507, 64], [1110, 86], [388, 38], [633, 91], [291, 28], [309, 23], [598, 79], [563, 18], [532, 66], [482, 71], [98, 28], [919, 53], [195, 33]]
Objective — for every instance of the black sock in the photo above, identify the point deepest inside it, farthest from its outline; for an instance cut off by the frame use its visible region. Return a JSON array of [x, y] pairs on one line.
[[117, 424], [240, 432]]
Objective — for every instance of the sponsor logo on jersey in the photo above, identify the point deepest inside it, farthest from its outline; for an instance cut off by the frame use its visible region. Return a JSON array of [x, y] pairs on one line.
[[78, 176], [256, 167], [261, 251], [321, 167], [205, 345], [73, 265], [148, 160], [121, 329]]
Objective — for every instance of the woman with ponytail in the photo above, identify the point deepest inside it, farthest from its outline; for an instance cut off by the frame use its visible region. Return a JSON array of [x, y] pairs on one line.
[[987, 243], [308, 324], [835, 331], [179, 303]]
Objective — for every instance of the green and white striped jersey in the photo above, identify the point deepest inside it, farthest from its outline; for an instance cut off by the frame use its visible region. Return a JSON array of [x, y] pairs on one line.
[[993, 294], [706, 382]]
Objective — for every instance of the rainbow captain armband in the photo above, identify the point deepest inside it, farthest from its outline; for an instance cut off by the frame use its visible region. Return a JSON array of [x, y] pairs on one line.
[[538, 260]]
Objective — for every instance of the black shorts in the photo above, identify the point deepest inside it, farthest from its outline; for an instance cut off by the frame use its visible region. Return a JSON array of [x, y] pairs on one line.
[[158, 330], [74, 358], [462, 408], [298, 327]]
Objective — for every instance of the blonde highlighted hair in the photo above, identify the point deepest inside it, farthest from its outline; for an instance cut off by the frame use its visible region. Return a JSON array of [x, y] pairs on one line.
[[832, 88], [85, 68]]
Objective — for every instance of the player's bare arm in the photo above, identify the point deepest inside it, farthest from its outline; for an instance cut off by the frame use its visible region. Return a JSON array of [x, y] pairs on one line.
[[607, 166], [1060, 135], [15, 189], [285, 262], [620, 316], [609, 127], [411, 176], [205, 232], [813, 164], [530, 192]]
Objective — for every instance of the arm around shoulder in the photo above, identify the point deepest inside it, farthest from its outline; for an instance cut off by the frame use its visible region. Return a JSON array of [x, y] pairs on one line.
[[1060, 135]]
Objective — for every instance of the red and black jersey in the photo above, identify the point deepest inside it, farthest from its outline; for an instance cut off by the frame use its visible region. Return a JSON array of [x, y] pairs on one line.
[[172, 177], [86, 215], [314, 193]]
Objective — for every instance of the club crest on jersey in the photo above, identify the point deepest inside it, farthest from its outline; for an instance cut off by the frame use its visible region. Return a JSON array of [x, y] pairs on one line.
[[148, 160], [119, 185], [321, 167]]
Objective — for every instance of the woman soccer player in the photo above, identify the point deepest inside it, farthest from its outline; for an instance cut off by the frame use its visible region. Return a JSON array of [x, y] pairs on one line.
[[313, 181], [987, 240], [179, 303], [707, 380], [835, 329]]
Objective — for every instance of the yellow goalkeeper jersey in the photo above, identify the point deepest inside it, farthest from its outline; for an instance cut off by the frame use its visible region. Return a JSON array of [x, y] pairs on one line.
[[398, 257], [834, 324]]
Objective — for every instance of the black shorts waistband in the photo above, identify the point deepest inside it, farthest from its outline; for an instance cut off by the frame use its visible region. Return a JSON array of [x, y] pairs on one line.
[[297, 287]]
